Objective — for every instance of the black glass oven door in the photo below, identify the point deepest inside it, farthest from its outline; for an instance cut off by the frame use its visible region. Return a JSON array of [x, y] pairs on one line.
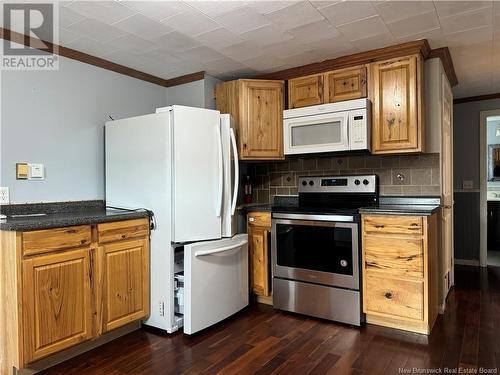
[[316, 251]]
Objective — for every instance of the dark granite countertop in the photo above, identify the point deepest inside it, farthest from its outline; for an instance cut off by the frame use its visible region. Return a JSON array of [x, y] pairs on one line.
[[421, 206], [254, 207], [56, 215], [403, 209]]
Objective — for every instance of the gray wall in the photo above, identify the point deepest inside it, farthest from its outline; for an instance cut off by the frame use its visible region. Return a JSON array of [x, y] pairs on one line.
[[466, 167], [57, 118], [191, 94]]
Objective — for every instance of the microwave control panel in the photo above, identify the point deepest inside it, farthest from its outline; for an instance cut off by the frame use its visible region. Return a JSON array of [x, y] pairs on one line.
[[359, 129]]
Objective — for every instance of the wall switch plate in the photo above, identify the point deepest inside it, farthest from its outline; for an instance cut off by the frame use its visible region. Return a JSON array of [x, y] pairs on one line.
[[467, 184], [4, 195], [36, 172]]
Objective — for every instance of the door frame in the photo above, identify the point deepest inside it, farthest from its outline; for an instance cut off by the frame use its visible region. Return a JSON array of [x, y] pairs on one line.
[[483, 187]]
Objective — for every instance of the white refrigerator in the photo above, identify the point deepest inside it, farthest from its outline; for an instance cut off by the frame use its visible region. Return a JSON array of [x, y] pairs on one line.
[[182, 163]]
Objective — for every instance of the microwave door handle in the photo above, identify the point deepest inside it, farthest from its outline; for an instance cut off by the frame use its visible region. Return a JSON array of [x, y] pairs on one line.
[[346, 135], [236, 170]]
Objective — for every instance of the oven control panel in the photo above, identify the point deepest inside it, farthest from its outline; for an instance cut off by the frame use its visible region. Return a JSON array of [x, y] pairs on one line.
[[338, 184]]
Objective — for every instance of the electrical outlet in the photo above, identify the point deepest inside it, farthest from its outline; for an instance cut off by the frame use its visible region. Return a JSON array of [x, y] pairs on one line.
[[162, 308], [4, 195]]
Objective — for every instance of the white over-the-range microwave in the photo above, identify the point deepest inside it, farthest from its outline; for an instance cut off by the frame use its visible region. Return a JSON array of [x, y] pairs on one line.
[[342, 126]]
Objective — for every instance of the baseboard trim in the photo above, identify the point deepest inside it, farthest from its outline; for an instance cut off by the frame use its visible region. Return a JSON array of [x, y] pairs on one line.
[[467, 262]]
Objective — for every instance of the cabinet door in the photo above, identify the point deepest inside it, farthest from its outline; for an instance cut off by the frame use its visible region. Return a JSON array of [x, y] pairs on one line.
[[125, 282], [346, 84], [305, 91], [261, 120], [397, 120], [56, 302], [259, 259]]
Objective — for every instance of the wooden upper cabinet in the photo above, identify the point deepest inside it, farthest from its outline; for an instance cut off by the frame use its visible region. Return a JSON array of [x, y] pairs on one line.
[[306, 91], [257, 108], [56, 302], [346, 84], [125, 282], [397, 111]]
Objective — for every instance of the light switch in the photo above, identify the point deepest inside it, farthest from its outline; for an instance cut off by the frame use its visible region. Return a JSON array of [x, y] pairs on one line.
[[21, 171], [36, 172]]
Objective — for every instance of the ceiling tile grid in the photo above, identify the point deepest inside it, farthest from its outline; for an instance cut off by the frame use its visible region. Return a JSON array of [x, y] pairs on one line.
[[246, 38]]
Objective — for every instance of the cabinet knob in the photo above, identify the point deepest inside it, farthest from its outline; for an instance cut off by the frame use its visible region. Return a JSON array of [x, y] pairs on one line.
[[379, 226], [388, 295]]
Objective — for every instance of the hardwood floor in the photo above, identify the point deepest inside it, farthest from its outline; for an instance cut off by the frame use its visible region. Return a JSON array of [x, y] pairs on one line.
[[260, 340]]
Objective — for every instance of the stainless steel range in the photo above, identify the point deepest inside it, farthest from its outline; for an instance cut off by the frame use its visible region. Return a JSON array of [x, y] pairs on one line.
[[316, 247]]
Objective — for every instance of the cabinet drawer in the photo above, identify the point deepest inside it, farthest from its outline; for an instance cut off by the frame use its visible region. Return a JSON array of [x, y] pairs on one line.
[[44, 241], [394, 256], [261, 219], [402, 298], [121, 230], [393, 224]]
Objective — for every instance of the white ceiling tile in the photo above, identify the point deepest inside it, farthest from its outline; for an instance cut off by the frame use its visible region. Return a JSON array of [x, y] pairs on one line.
[[312, 32], [132, 43], [283, 49], [90, 46], [241, 51], [467, 21], [435, 37], [346, 11], [264, 7], [105, 11], [96, 30], [303, 58], [414, 25], [191, 23], [319, 4], [295, 15], [374, 42], [214, 8], [363, 28], [201, 54], [449, 8], [142, 26], [164, 55], [240, 73], [241, 20], [331, 47], [68, 17], [218, 38], [176, 41], [264, 63], [266, 35], [67, 36], [496, 21], [222, 66], [468, 37], [158, 10], [391, 11]]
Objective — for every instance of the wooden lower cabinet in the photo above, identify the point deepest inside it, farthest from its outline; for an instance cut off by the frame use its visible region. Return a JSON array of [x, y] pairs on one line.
[[71, 291], [56, 302], [259, 229], [126, 280], [399, 263]]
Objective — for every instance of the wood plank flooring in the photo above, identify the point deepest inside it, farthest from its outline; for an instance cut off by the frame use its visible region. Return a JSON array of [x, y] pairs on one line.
[[260, 340]]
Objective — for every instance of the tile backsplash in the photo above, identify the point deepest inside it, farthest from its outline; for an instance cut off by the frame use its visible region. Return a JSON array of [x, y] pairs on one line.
[[398, 175]]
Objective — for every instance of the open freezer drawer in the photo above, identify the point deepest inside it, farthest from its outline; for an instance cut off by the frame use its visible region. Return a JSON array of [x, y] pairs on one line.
[[215, 281]]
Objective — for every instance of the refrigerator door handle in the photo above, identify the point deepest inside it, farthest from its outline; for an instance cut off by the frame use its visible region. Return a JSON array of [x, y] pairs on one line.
[[219, 250], [236, 170], [221, 171]]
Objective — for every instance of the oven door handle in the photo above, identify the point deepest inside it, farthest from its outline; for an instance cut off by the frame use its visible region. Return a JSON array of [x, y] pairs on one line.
[[329, 224]]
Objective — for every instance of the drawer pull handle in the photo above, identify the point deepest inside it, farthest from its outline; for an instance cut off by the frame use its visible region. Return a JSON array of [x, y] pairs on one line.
[[379, 226], [388, 295]]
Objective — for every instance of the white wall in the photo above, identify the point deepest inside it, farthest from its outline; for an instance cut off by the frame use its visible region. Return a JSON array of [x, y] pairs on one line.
[[57, 118], [195, 94]]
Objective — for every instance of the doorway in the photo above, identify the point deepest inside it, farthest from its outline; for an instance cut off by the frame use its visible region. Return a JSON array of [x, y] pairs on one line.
[[490, 188]]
